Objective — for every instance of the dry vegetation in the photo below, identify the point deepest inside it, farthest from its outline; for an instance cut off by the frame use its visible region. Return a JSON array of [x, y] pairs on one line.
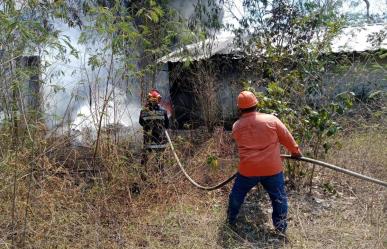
[[76, 204]]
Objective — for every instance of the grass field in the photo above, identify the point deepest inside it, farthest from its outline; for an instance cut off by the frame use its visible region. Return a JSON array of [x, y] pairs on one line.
[[67, 211]]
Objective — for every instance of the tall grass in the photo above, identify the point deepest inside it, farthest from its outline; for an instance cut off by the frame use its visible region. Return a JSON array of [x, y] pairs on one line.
[[78, 203]]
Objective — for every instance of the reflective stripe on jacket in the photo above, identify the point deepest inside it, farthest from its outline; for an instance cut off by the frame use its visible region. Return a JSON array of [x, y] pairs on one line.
[[156, 146], [154, 121], [258, 137]]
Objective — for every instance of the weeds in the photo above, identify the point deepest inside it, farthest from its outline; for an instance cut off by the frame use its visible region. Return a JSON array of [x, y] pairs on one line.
[[77, 204]]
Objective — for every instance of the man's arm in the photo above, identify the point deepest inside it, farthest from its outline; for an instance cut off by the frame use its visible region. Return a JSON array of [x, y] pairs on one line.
[[286, 139], [166, 120], [141, 120]]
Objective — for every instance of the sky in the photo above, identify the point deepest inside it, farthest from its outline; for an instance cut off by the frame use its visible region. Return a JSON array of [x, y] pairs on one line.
[[376, 6], [233, 9]]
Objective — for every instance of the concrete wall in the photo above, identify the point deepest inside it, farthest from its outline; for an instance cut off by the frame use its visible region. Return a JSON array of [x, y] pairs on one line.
[[363, 75], [25, 73], [32, 94], [228, 76]]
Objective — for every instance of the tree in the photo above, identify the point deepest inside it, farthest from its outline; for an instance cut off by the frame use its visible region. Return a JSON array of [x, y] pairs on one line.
[[288, 44]]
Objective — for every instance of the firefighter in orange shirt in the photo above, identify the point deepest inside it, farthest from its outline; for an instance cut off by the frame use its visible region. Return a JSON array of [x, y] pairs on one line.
[[258, 137]]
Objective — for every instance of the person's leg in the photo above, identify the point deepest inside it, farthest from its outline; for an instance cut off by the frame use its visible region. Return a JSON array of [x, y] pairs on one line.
[[144, 157], [242, 186], [144, 163], [275, 187], [160, 160]]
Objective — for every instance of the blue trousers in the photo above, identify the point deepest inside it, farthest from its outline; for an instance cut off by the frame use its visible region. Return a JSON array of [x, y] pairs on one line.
[[274, 186]]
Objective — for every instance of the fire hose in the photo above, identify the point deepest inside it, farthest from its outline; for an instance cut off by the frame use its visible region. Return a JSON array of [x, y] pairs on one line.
[[303, 159]]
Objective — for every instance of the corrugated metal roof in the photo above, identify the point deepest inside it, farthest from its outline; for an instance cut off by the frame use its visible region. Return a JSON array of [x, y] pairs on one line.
[[202, 50], [357, 39], [351, 39]]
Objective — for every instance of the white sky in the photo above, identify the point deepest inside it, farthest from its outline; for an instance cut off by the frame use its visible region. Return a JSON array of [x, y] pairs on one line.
[[234, 8], [376, 7]]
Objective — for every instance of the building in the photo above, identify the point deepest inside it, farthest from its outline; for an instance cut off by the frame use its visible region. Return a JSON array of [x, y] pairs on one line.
[[207, 86]]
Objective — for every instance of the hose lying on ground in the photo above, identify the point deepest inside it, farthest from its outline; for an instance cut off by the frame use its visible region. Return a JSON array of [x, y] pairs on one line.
[[304, 159]]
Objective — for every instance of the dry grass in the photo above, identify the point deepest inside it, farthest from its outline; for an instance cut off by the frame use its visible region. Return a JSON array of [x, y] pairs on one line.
[[101, 210]]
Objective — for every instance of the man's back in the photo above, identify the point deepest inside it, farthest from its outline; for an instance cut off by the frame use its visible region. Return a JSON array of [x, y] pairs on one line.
[[259, 136], [154, 120]]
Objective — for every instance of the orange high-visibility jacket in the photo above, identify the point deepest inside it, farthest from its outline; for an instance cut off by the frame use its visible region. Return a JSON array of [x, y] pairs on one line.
[[258, 137]]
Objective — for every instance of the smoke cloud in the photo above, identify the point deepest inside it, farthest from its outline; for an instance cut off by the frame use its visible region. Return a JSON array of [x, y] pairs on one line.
[[69, 82]]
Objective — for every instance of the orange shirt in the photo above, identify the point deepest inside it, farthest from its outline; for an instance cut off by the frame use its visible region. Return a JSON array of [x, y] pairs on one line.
[[258, 137]]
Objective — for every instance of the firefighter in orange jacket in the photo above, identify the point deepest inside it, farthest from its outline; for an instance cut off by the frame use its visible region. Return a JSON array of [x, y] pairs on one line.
[[258, 137]]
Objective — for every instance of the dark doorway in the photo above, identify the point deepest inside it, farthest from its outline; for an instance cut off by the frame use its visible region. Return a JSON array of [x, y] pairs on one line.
[[185, 106]]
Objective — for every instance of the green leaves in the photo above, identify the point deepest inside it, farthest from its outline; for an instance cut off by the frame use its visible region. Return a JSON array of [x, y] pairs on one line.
[[58, 88], [346, 99], [95, 61], [274, 89], [310, 125], [156, 13], [73, 51], [375, 95], [383, 55], [212, 161]]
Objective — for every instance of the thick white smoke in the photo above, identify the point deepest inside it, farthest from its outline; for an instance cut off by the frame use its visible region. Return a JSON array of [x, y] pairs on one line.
[[69, 82]]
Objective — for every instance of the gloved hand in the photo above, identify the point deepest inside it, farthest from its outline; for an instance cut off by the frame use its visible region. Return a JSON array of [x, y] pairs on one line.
[[296, 155]]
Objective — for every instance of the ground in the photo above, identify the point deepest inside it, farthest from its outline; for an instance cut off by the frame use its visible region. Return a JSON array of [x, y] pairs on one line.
[[168, 212]]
